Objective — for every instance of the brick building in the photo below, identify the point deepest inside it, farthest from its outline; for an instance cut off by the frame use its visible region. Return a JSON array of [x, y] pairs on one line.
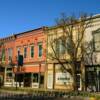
[[32, 46]]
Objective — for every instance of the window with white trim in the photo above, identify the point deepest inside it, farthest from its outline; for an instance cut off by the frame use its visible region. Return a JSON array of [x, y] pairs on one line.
[[25, 52], [32, 51], [40, 49], [96, 37]]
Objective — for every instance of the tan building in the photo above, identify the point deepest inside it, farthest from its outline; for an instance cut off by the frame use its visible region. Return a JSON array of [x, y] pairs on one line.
[[92, 61], [63, 80], [56, 77]]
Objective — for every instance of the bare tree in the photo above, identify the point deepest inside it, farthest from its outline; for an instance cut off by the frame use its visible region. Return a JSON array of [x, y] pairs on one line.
[[88, 53], [69, 42]]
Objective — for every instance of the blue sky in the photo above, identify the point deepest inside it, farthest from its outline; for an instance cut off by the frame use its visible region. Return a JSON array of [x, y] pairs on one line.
[[23, 15]]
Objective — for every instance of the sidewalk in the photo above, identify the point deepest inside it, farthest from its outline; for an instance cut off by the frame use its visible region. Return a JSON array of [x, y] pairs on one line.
[[55, 95]]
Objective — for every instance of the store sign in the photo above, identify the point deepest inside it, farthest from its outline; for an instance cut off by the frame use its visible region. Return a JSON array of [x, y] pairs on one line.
[[63, 78], [35, 85]]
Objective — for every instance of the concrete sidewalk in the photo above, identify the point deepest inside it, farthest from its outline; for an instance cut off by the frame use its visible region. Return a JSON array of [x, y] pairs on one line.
[[47, 95]]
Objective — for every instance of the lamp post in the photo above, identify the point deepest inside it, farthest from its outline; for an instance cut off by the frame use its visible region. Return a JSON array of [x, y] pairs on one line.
[[16, 79], [19, 64]]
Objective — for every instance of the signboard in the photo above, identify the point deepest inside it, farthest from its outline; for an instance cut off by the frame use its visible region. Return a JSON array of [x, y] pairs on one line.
[[35, 85], [63, 78]]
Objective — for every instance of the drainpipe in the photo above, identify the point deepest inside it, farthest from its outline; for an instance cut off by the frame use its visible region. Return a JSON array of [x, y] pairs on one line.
[[31, 79], [39, 75]]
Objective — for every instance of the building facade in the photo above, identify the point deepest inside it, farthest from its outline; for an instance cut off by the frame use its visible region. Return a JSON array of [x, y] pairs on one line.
[[57, 77], [92, 57], [32, 46], [7, 59], [38, 68], [88, 73]]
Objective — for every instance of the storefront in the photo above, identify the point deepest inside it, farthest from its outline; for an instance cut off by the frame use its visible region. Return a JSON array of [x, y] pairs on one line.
[[58, 79], [30, 76], [92, 78]]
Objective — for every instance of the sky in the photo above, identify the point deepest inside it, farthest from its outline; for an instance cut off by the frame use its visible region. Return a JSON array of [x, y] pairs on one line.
[[23, 15]]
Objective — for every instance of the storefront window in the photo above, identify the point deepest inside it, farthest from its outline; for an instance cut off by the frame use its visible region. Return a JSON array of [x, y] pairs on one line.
[[9, 77], [35, 77]]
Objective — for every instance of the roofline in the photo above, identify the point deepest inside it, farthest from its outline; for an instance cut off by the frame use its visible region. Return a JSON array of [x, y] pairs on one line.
[[93, 17], [9, 38], [30, 30], [21, 33]]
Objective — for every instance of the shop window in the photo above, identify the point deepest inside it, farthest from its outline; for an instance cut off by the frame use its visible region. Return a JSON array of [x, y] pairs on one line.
[[90, 78], [9, 69], [9, 74], [9, 77], [35, 78]]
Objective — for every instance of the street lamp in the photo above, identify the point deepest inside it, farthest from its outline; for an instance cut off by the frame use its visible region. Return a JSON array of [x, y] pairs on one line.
[[20, 64]]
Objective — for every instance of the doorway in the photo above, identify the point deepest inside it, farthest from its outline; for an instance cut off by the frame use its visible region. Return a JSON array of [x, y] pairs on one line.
[[27, 80], [78, 81]]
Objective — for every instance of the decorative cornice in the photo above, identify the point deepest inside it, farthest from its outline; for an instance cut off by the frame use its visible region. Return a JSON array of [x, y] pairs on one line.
[[10, 38], [96, 31]]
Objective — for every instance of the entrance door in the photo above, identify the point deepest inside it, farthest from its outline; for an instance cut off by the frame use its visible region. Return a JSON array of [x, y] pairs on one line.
[[98, 81], [27, 80], [78, 81]]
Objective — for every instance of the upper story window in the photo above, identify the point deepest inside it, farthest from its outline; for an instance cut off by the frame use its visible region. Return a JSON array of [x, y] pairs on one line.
[[10, 53], [25, 52], [96, 37], [32, 51], [3, 55], [40, 49], [60, 49], [18, 51]]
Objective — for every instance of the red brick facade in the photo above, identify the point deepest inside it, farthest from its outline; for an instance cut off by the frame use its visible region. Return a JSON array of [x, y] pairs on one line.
[[23, 42], [26, 40]]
